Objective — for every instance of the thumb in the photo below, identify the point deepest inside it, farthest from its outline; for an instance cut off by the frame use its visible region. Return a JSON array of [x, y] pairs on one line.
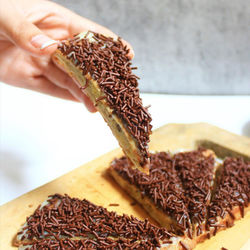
[[26, 35]]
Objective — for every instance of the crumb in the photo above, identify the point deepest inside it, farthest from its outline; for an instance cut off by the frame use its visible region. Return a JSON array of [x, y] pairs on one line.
[[30, 205], [223, 248], [114, 205], [133, 203]]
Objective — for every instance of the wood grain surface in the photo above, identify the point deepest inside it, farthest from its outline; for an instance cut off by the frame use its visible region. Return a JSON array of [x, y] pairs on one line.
[[91, 181]]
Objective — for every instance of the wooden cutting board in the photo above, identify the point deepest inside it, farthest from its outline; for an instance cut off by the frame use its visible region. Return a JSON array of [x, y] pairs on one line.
[[91, 181]]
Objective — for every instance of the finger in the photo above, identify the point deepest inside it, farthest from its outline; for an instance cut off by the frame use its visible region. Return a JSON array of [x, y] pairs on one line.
[[22, 33], [62, 80], [87, 102], [43, 85]]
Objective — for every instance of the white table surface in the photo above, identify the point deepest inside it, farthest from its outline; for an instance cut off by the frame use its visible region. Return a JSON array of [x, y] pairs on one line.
[[44, 137]]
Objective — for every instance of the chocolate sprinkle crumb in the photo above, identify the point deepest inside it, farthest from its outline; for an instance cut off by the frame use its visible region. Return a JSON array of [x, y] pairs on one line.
[[183, 245], [106, 60], [114, 205]]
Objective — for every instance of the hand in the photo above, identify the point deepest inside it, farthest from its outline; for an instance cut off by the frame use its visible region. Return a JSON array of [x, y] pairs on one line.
[[29, 30]]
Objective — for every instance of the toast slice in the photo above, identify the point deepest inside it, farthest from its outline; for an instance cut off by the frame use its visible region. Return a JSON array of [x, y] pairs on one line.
[[101, 68], [231, 195], [160, 193], [62, 222], [196, 169]]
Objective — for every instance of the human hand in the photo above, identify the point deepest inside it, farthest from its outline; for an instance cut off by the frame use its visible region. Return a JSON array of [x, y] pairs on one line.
[[29, 31]]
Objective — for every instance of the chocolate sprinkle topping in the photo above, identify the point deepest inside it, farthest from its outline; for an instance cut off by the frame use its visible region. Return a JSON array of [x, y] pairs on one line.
[[232, 190], [66, 223], [107, 62], [162, 185]]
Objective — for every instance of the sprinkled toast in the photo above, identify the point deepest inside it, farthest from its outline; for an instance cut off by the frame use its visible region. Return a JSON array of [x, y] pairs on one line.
[[160, 193], [62, 222], [103, 71], [196, 169], [231, 195], [211, 195]]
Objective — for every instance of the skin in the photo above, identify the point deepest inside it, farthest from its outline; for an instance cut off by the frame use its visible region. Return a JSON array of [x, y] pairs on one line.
[[24, 27]]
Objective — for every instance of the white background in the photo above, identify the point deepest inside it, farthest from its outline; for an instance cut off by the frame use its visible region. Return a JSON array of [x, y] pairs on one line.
[[44, 137]]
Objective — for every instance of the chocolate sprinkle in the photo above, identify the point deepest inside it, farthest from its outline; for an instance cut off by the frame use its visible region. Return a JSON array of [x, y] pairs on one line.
[[114, 205], [183, 245], [162, 185], [66, 223], [106, 60]]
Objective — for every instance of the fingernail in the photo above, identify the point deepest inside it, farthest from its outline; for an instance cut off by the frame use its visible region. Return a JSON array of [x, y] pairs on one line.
[[42, 41]]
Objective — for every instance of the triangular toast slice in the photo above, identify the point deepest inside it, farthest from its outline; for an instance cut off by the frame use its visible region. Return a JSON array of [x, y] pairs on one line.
[[231, 195], [103, 71], [160, 193], [196, 169], [69, 223]]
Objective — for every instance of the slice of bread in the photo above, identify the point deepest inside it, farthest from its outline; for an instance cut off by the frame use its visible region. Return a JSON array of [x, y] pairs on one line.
[[101, 68], [160, 193], [231, 195], [196, 170], [62, 222]]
